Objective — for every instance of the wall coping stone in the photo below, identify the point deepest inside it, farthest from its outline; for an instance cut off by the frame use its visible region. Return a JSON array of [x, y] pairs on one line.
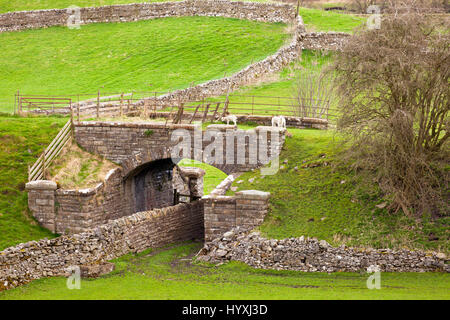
[[144, 125], [224, 185], [41, 185], [217, 198], [193, 172], [221, 127], [269, 128], [253, 194]]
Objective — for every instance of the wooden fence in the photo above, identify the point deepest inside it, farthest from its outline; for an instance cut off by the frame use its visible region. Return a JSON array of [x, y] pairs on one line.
[[38, 170]]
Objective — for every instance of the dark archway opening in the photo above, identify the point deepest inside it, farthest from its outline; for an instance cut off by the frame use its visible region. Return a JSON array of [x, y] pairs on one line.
[[152, 185]]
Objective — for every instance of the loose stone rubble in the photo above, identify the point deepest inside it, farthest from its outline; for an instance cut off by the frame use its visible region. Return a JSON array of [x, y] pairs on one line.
[[312, 255]]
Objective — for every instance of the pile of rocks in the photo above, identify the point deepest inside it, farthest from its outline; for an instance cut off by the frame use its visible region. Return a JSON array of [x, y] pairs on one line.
[[310, 254]]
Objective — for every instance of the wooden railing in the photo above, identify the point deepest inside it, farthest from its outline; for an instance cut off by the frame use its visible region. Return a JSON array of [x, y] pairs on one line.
[[38, 170]]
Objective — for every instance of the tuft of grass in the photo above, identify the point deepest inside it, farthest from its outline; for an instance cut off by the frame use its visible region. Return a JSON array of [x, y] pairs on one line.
[[152, 55], [75, 168], [168, 273], [22, 140]]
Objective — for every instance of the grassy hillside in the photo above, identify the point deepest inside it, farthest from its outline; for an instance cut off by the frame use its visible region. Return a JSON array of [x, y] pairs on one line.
[[154, 55], [165, 274], [263, 98], [324, 200], [20, 5], [21, 141]]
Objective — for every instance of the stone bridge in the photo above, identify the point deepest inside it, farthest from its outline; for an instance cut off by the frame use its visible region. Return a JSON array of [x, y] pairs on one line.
[[132, 145], [147, 177]]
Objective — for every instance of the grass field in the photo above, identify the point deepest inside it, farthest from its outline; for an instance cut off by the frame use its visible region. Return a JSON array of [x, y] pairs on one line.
[[21, 141], [168, 274], [154, 55]]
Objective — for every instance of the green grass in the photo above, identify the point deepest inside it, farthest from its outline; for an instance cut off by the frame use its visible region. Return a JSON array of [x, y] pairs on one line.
[[22, 5], [328, 202], [320, 20], [168, 53], [212, 177], [21, 142], [166, 274]]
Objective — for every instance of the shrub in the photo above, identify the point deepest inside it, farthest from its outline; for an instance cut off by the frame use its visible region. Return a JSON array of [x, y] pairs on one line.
[[313, 89], [394, 103]]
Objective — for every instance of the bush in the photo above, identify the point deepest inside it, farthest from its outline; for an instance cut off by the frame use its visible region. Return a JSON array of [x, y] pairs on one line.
[[394, 102], [313, 89]]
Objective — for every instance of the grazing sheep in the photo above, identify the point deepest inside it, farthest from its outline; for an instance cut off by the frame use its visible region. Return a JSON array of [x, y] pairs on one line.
[[279, 121], [229, 118]]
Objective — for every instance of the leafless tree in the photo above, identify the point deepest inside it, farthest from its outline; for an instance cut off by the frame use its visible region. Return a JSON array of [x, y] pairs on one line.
[[394, 105]]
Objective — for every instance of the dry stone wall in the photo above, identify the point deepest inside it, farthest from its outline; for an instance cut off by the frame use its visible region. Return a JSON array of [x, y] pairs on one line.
[[135, 233], [264, 12], [291, 122], [311, 255], [328, 41]]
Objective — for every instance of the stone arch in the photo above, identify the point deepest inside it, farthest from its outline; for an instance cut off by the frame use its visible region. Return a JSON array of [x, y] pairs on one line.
[[139, 159]]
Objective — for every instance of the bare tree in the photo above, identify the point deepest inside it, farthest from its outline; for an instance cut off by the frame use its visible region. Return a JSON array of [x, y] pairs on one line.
[[394, 102]]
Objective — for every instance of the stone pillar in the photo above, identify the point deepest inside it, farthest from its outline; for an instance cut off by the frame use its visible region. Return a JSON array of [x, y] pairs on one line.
[[41, 201], [223, 213], [220, 215], [194, 178], [251, 207]]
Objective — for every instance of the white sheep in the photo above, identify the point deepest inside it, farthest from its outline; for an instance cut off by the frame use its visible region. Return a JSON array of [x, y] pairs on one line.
[[279, 121], [229, 118]]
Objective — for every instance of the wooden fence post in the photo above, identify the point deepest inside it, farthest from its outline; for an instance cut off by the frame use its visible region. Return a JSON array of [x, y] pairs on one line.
[[121, 105], [98, 104], [43, 165]]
